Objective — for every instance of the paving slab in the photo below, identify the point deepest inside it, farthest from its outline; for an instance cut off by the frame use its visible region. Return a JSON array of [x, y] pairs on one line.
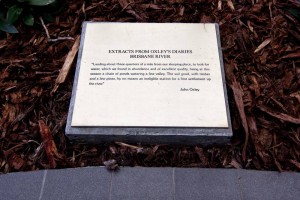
[[269, 185], [149, 183], [91, 183], [143, 183], [206, 184], [21, 185]]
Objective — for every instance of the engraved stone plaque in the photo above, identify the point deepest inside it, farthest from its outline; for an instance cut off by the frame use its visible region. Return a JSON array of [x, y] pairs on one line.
[[151, 83]]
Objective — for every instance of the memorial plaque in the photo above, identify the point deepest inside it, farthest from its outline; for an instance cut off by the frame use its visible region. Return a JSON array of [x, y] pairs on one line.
[[149, 83]]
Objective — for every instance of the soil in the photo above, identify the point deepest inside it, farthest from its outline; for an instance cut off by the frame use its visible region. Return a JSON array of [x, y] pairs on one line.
[[260, 43]]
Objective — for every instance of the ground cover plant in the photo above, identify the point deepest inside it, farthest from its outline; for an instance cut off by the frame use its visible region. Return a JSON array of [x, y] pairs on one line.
[[13, 11], [260, 44]]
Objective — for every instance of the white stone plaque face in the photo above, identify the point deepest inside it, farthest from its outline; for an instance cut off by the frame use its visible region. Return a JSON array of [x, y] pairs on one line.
[[150, 75]]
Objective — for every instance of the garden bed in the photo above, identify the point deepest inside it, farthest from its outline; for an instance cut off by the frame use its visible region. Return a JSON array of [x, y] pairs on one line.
[[260, 43]]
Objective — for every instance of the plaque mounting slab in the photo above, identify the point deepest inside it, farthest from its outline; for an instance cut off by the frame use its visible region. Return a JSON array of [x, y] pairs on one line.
[[149, 83]]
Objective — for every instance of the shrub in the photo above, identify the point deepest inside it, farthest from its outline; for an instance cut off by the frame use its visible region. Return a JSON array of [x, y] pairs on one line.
[[13, 11]]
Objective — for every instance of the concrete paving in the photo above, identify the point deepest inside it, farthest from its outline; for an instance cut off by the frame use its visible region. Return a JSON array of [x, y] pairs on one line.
[[138, 183]]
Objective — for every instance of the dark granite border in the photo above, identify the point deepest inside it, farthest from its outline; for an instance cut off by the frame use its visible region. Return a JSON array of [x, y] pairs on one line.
[[136, 183], [178, 135]]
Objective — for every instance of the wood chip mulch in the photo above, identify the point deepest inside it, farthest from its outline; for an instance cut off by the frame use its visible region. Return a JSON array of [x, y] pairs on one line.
[[260, 41]]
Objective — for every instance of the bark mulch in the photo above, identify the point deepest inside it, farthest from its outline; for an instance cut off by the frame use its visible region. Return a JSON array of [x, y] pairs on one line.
[[260, 41]]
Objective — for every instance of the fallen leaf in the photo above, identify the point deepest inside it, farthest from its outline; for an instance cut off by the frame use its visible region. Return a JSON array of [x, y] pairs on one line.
[[219, 4], [263, 58], [181, 10], [257, 7], [113, 149], [3, 44], [295, 34], [22, 115], [9, 113], [288, 79], [296, 95], [138, 149], [230, 4], [16, 161], [137, 16], [67, 65], [254, 86], [151, 153], [123, 3], [36, 91], [4, 75], [255, 138], [296, 163], [176, 1], [262, 45], [279, 115], [205, 19], [18, 97], [278, 165], [49, 144], [238, 97], [265, 138], [235, 164], [111, 165], [201, 156], [152, 6], [250, 26], [292, 55], [10, 61]]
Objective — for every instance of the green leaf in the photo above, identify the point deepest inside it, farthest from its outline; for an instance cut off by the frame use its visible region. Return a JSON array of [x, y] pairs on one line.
[[295, 12], [39, 2], [28, 19], [6, 27], [13, 14], [48, 17]]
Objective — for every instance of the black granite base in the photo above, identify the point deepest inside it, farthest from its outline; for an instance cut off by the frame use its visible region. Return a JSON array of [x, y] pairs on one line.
[[184, 136], [166, 135]]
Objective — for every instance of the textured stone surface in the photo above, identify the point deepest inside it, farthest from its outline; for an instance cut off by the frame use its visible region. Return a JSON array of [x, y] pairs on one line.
[[206, 184], [143, 183], [149, 183], [80, 184], [269, 185], [21, 186]]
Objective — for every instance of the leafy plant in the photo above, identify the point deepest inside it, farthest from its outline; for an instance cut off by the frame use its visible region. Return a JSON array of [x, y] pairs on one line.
[[12, 11], [295, 12]]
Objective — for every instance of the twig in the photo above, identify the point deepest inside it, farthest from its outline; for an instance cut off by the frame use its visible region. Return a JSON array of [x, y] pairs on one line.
[[8, 151], [60, 38], [48, 35], [24, 114], [127, 5], [43, 24], [219, 4], [278, 115], [138, 149], [270, 10], [127, 145]]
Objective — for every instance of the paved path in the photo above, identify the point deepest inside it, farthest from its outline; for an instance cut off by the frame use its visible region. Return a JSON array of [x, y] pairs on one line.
[[149, 183]]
